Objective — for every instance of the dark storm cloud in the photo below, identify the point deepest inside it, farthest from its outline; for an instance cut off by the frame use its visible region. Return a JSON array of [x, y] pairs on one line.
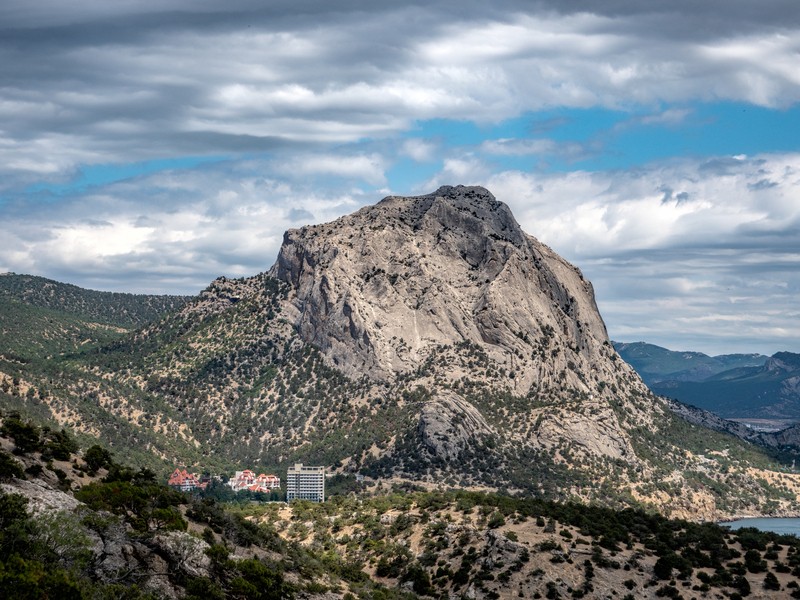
[[94, 82]]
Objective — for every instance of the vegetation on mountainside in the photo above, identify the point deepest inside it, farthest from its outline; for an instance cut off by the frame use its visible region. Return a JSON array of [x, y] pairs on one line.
[[110, 308], [52, 397], [668, 444], [44, 326], [442, 544], [226, 382], [397, 544], [34, 334], [239, 379], [128, 516]]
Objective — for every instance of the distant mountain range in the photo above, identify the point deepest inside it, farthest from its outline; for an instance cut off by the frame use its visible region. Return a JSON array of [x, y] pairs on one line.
[[109, 308], [743, 386]]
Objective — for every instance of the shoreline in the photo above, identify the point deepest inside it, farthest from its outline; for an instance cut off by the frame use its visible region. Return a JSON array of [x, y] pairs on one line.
[[751, 516]]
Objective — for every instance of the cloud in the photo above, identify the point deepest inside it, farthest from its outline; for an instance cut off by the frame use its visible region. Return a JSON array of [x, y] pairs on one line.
[[519, 146], [667, 118], [465, 169], [369, 168], [91, 83], [708, 269], [419, 150], [587, 214], [542, 148], [168, 232]]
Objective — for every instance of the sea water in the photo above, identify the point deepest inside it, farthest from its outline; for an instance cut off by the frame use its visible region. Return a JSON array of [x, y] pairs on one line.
[[775, 524]]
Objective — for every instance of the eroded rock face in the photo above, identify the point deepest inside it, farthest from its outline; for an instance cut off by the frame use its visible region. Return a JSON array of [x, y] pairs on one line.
[[185, 552], [449, 425], [595, 430], [42, 497], [380, 289], [390, 289]]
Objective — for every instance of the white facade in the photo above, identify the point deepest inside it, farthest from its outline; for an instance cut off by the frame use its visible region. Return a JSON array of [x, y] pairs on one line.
[[305, 483]]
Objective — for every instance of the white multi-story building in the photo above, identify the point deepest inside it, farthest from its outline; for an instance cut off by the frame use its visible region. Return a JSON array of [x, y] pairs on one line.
[[305, 483]]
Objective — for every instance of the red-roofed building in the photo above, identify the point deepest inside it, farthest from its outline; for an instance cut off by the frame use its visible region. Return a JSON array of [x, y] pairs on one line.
[[271, 482], [247, 480], [184, 481]]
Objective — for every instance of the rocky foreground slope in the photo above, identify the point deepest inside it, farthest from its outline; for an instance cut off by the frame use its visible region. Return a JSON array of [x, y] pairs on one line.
[[426, 339], [79, 525]]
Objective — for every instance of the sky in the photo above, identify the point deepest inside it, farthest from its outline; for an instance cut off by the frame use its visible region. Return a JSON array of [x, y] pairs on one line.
[[152, 146]]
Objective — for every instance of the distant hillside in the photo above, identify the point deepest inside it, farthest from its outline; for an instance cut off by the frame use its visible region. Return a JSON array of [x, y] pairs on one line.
[[32, 332], [655, 364], [771, 391], [41, 318], [110, 308]]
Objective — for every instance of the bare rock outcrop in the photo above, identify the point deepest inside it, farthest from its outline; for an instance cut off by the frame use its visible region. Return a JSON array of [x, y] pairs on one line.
[[449, 425], [451, 277], [184, 552], [379, 290], [596, 430], [41, 496]]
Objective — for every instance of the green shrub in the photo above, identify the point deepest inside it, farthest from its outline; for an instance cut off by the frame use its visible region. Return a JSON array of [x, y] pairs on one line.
[[147, 506], [9, 467], [496, 520], [58, 445], [26, 435], [771, 582], [96, 458]]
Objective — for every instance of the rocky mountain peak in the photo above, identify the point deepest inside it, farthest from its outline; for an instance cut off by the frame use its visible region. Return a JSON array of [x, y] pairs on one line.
[[379, 290], [425, 338], [471, 208], [445, 291], [783, 361]]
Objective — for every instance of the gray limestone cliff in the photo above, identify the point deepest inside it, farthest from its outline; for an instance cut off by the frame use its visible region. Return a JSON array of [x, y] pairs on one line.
[[380, 289], [399, 285]]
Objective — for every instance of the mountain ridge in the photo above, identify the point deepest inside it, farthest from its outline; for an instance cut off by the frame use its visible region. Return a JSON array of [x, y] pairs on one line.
[[746, 386], [656, 364], [112, 308], [508, 384]]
